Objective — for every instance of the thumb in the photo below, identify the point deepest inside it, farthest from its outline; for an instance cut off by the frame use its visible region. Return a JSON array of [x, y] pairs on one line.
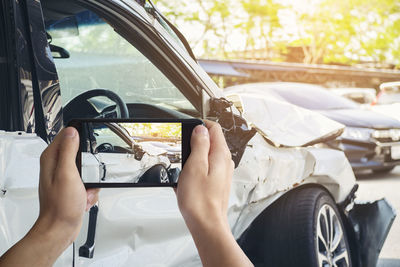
[[200, 147], [68, 149]]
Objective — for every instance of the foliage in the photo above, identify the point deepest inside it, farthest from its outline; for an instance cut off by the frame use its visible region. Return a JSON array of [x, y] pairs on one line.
[[351, 31], [340, 31], [171, 130]]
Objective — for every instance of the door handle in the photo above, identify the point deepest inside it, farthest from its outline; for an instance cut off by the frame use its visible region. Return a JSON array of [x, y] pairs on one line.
[[87, 249]]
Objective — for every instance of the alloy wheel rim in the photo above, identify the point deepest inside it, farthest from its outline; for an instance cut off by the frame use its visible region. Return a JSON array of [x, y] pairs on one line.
[[331, 245], [164, 176]]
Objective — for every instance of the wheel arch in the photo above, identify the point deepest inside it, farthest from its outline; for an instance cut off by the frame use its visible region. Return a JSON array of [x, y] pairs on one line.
[[349, 231]]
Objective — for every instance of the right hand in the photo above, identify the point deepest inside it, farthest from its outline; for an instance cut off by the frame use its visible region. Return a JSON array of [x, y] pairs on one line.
[[205, 181], [203, 194]]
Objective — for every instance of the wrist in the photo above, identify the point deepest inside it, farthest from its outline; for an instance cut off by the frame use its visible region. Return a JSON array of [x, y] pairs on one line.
[[209, 225], [216, 244], [54, 237]]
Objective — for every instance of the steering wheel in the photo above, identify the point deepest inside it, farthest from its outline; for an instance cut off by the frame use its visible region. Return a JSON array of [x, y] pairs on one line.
[[105, 148], [74, 107]]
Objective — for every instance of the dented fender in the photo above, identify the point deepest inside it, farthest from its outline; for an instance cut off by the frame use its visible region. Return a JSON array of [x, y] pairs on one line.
[[266, 172]]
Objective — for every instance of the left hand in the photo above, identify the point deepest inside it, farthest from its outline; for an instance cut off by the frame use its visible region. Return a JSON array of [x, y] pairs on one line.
[[63, 201], [62, 195]]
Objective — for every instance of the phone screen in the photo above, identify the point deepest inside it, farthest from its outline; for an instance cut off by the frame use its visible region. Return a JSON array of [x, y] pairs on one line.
[[116, 153], [132, 152]]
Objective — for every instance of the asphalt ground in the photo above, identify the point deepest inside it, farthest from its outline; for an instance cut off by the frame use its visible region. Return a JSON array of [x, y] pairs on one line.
[[376, 186]]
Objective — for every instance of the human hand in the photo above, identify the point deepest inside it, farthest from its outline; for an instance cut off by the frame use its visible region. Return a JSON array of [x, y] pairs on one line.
[[63, 201], [203, 194], [62, 195], [205, 181]]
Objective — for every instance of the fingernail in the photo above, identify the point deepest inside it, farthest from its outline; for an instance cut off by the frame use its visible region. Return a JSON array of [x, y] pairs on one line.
[[69, 132], [200, 129]]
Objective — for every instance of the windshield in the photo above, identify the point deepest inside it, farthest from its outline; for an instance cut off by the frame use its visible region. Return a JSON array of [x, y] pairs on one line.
[[313, 98]]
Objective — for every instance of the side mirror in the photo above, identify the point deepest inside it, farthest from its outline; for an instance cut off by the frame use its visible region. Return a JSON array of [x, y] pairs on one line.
[[138, 152], [236, 131]]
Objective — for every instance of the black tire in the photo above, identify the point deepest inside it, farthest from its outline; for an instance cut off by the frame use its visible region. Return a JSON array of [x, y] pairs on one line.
[[285, 234], [155, 175], [173, 174], [383, 170]]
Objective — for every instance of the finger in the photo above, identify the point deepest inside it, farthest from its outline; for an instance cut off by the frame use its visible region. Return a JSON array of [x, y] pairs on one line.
[[200, 146], [217, 138], [49, 158], [68, 149], [219, 153], [92, 197]]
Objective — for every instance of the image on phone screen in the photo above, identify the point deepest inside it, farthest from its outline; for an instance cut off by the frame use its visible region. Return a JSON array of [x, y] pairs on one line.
[[131, 152]]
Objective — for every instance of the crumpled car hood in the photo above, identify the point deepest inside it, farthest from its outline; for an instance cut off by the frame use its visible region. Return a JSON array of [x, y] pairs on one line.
[[152, 150], [283, 123]]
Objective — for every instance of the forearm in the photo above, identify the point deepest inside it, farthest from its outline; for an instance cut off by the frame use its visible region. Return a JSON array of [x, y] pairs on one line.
[[217, 246], [40, 247]]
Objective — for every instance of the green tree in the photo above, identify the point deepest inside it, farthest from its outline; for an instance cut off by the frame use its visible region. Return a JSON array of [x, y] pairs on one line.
[[339, 31], [349, 31], [261, 24]]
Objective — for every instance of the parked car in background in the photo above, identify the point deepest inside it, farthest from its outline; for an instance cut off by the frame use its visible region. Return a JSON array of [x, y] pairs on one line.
[[388, 100], [370, 140], [62, 59], [389, 93], [359, 95]]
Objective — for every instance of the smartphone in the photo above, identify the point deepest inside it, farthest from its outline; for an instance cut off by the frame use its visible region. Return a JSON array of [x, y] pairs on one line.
[[132, 152]]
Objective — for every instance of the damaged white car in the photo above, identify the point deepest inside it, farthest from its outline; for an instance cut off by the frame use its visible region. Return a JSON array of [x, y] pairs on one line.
[[112, 155], [290, 205]]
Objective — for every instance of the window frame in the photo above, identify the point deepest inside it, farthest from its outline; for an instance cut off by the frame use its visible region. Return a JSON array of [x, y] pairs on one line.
[[11, 118]]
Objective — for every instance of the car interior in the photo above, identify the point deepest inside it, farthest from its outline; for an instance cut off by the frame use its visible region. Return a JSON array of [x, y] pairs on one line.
[[106, 76]]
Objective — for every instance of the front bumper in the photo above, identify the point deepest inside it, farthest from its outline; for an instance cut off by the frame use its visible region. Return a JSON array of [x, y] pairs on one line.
[[370, 155], [368, 225]]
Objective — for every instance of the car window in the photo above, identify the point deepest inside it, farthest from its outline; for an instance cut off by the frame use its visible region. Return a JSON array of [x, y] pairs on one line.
[[104, 135], [99, 58]]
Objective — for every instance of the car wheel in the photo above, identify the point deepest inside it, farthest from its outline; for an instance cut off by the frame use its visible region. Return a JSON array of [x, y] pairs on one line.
[[384, 169], [302, 228], [156, 174]]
